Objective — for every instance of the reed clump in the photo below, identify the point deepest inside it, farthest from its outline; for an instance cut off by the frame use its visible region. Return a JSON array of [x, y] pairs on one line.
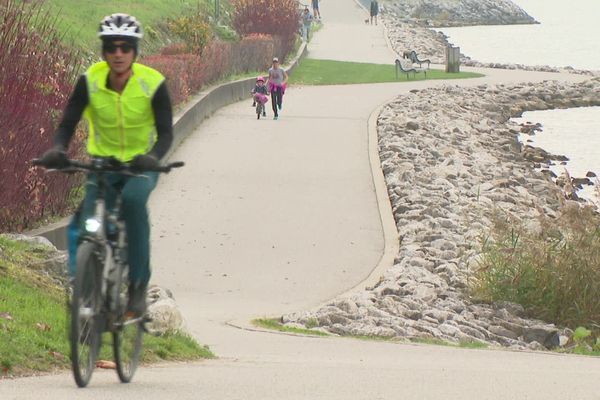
[[550, 266]]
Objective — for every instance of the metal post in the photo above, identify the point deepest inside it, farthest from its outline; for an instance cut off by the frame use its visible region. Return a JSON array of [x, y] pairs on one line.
[[452, 59]]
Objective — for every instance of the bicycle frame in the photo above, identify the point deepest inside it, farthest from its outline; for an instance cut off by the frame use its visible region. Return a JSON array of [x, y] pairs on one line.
[[101, 262], [96, 230]]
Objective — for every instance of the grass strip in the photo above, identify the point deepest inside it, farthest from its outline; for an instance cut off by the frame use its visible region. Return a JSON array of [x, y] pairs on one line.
[[329, 72], [274, 324], [33, 320]]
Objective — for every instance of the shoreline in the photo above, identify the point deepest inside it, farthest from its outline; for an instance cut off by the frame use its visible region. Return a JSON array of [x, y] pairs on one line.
[[452, 160], [431, 43]]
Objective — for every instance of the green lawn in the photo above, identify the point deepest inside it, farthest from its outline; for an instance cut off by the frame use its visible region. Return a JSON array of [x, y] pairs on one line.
[[329, 72], [81, 18], [33, 320]]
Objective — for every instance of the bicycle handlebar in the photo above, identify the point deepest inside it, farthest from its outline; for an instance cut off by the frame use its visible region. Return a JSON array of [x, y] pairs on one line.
[[109, 165]]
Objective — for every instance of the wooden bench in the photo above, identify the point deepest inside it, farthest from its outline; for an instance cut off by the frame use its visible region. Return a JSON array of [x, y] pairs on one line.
[[406, 66], [414, 58]]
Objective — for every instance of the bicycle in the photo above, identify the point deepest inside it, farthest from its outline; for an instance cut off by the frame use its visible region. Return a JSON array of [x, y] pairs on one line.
[[260, 109], [259, 102], [100, 289]]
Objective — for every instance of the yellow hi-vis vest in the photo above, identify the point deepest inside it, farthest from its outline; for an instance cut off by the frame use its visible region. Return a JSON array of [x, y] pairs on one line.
[[121, 125]]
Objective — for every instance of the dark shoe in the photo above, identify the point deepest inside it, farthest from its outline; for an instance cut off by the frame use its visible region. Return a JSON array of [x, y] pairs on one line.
[[137, 299], [264, 113]]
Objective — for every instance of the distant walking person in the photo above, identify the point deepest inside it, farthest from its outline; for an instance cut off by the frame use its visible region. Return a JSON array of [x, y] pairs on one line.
[[276, 83], [316, 12], [374, 11], [307, 20]]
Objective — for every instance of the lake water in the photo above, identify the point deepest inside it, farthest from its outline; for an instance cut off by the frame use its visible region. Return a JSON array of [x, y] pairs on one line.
[[572, 132], [567, 35]]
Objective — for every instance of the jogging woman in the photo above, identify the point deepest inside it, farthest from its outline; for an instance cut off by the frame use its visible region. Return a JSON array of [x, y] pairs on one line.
[[276, 83]]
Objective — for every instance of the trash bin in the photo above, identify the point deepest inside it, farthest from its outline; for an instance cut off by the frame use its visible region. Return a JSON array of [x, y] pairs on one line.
[[452, 59]]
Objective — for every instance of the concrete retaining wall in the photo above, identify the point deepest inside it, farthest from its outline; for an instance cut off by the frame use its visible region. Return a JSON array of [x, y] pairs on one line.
[[185, 122]]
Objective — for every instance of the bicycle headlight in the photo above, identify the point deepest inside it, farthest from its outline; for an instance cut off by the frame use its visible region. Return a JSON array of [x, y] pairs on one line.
[[92, 225]]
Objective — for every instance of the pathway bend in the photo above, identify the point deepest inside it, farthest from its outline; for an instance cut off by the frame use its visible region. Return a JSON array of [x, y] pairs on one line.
[[270, 217]]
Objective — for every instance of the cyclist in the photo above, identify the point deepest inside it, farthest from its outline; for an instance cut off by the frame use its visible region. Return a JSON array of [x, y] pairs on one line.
[[129, 114], [276, 83]]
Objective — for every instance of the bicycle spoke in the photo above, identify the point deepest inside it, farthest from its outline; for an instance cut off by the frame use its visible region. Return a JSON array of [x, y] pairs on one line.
[[85, 333], [127, 339]]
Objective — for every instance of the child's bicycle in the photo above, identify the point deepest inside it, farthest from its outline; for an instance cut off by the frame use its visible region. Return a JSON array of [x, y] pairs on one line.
[[100, 290], [260, 100]]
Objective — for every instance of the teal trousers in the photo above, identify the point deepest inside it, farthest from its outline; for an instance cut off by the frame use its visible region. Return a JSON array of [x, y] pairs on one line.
[[135, 192]]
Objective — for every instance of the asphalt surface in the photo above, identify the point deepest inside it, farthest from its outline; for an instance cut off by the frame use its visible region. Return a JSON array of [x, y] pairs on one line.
[[270, 217]]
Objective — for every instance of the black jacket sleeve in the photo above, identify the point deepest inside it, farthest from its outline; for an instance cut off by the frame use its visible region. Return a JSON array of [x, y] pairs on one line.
[[163, 115], [72, 114]]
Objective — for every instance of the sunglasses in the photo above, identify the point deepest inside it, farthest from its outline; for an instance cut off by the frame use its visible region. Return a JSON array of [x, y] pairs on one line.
[[111, 48]]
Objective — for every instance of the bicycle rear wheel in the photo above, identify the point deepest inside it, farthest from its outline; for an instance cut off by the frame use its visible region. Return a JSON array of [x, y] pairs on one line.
[[85, 313], [127, 338]]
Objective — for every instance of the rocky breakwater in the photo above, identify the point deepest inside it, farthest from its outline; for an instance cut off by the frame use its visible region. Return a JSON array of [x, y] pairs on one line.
[[409, 25], [459, 12], [452, 160]]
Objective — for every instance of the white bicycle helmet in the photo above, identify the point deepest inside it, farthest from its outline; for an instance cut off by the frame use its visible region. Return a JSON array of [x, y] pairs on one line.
[[120, 25]]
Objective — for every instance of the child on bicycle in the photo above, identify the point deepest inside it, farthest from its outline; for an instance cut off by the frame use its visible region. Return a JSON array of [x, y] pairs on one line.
[[259, 93]]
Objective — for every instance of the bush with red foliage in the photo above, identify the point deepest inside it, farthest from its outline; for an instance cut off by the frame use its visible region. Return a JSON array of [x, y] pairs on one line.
[[253, 52], [189, 73], [175, 72], [274, 17], [36, 79], [172, 49]]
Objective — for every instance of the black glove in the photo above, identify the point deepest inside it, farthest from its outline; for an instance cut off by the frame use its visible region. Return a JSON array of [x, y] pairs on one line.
[[144, 162], [55, 158]]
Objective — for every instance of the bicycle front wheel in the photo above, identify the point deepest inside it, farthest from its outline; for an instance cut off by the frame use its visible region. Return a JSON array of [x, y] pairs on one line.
[[85, 313], [127, 338]]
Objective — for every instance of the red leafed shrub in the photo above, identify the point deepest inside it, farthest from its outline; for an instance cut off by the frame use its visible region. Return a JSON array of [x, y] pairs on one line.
[[36, 78], [274, 17], [175, 71], [188, 73], [177, 48], [253, 52], [216, 61]]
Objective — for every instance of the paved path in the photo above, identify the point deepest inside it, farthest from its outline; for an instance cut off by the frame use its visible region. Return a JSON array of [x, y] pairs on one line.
[[270, 217]]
